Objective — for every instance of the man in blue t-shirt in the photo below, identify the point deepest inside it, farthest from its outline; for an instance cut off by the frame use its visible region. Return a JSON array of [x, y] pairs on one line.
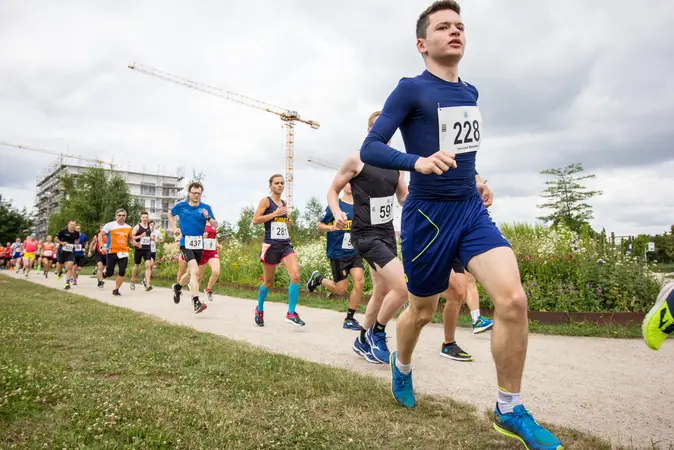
[[444, 215], [80, 248], [193, 216], [344, 260]]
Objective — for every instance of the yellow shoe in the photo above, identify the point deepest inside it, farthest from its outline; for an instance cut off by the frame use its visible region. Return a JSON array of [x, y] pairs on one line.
[[659, 323]]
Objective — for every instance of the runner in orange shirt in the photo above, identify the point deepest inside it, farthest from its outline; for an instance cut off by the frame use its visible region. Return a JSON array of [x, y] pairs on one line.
[[119, 236]]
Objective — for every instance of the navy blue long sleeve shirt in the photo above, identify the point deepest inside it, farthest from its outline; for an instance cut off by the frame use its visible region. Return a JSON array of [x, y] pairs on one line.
[[413, 107]]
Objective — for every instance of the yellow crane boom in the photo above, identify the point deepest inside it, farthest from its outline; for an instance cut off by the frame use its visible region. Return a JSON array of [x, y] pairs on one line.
[[323, 163], [288, 117], [61, 154]]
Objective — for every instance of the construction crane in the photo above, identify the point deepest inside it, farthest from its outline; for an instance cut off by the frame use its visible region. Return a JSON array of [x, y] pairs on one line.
[[61, 154], [320, 162], [288, 117]]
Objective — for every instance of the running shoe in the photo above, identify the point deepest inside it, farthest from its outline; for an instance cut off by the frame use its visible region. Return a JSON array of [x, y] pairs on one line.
[[454, 352], [378, 346], [145, 283], [521, 425], [198, 306], [482, 324], [132, 285], [101, 284], [46, 274], [659, 322], [67, 286], [314, 281], [259, 317], [209, 294], [360, 348], [177, 292], [116, 293], [351, 324], [148, 288], [401, 385], [75, 282], [363, 349], [294, 318], [95, 272]]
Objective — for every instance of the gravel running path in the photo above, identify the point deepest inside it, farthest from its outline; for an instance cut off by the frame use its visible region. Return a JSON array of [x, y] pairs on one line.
[[617, 389]]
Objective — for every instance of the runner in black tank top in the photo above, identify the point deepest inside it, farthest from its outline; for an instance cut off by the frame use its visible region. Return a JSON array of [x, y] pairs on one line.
[[276, 248], [373, 236], [141, 233]]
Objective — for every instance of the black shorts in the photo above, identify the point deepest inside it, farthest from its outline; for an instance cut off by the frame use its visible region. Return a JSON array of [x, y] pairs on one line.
[[273, 254], [153, 255], [111, 261], [99, 258], [379, 249], [141, 254], [189, 255], [457, 267], [342, 267], [79, 260], [65, 257]]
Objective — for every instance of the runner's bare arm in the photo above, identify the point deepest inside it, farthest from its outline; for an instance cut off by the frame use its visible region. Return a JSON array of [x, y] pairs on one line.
[[350, 167], [484, 190], [325, 228], [172, 223], [259, 217], [92, 245], [133, 241], [401, 189]]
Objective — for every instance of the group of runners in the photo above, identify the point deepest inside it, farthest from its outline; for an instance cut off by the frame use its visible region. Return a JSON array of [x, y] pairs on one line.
[[67, 250], [448, 239]]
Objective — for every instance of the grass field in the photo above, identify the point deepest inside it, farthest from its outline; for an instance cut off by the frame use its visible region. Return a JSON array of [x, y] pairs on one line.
[[338, 304], [76, 373]]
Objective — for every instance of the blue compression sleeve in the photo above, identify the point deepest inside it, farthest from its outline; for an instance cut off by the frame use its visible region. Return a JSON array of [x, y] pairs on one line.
[[293, 293], [261, 296], [375, 150]]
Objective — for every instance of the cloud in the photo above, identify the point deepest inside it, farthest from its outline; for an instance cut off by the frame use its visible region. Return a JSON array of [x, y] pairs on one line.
[[559, 83]]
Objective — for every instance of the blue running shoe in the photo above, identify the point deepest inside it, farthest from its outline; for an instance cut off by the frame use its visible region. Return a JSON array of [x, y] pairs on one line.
[[378, 345], [401, 385], [363, 349], [351, 324], [521, 425], [360, 348], [483, 324]]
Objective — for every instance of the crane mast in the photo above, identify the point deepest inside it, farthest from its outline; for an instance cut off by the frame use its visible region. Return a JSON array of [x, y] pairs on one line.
[[288, 117]]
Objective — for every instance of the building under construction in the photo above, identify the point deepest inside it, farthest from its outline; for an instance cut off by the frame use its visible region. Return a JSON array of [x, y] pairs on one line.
[[155, 192]]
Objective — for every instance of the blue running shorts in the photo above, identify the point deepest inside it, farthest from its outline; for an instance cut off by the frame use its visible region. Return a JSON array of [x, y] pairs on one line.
[[434, 233]]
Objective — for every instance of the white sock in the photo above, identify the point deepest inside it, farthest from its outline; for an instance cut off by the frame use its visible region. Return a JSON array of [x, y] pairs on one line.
[[475, 314], [405, 369], [507, 401]]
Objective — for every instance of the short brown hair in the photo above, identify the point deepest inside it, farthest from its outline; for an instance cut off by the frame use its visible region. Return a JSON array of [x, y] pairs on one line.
[[441, 5], [276, 175], [195, 184], [372, 118]]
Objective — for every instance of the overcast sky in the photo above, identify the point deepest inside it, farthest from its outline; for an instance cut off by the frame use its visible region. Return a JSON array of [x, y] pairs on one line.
[[559, 82]]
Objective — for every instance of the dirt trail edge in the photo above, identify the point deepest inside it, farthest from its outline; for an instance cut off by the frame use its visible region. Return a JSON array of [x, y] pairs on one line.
[[616, 389]]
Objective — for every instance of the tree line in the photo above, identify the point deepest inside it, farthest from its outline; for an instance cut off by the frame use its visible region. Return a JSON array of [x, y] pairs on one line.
[[93, 196]]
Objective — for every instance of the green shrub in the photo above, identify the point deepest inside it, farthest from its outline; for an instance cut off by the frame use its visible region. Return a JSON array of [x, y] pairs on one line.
[[560, 270]]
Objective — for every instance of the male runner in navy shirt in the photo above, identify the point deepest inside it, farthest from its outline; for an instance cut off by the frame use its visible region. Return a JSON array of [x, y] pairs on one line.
[[444, 216]]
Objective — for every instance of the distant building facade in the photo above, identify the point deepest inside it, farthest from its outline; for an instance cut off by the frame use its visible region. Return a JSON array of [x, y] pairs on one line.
[[156, 193]]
